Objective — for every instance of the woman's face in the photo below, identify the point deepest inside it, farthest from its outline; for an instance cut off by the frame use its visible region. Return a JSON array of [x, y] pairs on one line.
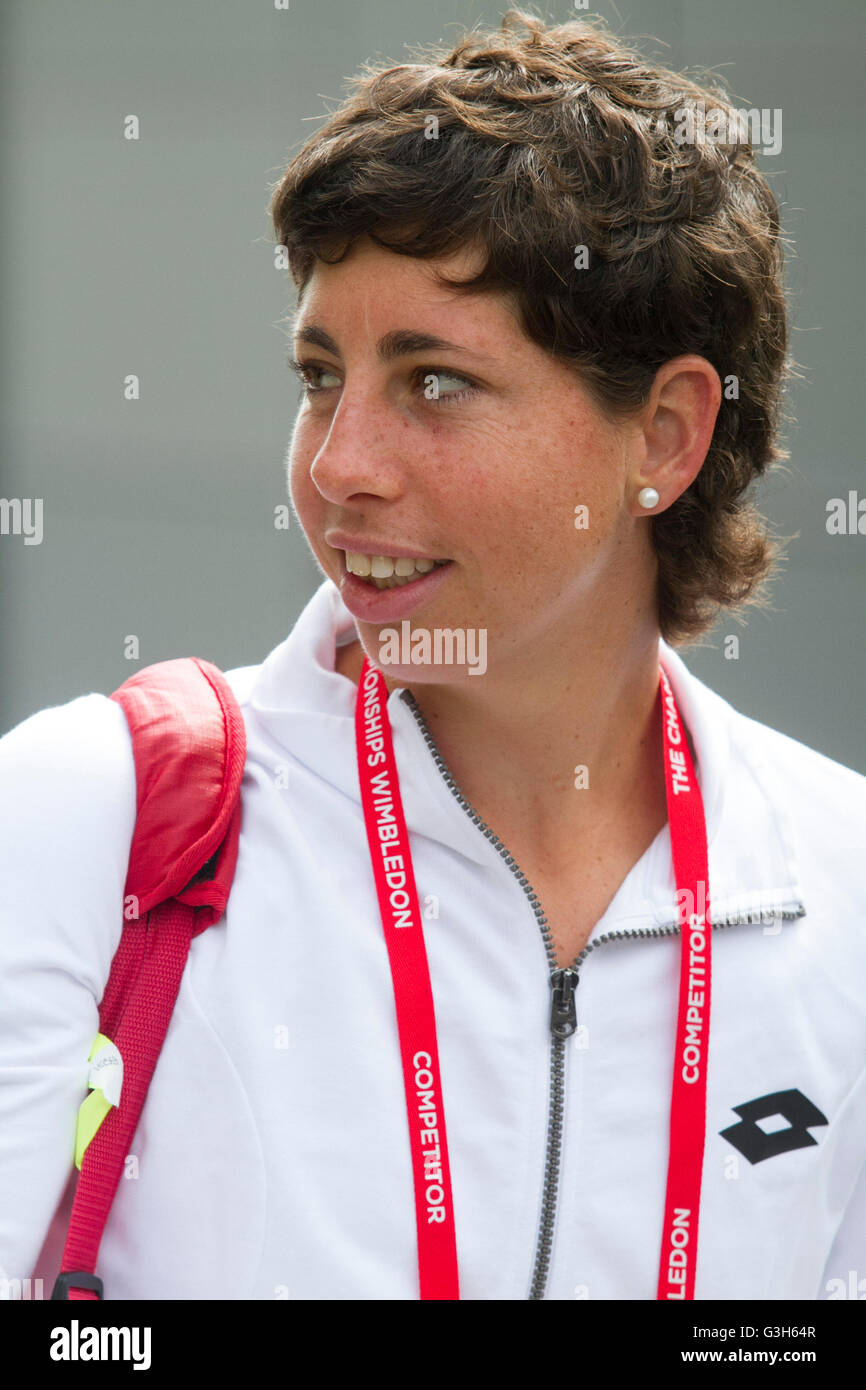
[[487, 476]]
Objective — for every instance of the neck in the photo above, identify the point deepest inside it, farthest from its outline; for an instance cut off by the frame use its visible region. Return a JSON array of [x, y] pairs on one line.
[[513, 740]]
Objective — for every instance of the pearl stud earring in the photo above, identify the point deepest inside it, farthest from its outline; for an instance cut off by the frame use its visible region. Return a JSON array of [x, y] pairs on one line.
[[648, 497]]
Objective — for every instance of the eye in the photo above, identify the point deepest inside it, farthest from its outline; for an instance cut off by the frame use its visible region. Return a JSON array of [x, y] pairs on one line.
[[304, 371], [428, 381], [430, 378]]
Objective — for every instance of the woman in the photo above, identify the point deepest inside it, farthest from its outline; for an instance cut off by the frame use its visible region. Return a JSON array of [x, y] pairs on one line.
[[542, 340]]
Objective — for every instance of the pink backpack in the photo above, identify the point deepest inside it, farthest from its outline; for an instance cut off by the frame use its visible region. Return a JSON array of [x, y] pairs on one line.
[[189, 747]]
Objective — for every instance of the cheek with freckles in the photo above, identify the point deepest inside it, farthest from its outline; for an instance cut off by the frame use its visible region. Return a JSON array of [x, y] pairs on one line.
[[309, 505], [527, 502], [594, 481]]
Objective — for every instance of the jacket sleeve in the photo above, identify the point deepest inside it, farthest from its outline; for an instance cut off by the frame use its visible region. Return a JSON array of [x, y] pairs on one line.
[[67, 814]]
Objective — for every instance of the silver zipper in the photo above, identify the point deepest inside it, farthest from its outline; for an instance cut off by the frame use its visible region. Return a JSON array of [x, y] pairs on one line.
[[563, 983], [563, 1024]]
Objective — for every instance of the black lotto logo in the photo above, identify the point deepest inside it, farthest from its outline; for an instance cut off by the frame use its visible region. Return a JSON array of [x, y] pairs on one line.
[[754, 1144]]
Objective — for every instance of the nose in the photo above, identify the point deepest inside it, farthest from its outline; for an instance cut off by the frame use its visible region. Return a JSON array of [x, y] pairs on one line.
[[359, 456]]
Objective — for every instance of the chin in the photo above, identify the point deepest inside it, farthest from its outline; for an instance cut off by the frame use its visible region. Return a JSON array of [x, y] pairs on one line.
[[464, 665]]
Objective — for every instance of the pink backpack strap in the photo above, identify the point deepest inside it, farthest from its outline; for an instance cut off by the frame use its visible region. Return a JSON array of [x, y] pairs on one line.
[[189, 748]]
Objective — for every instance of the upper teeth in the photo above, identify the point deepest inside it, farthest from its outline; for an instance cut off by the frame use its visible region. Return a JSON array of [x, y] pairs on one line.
[[384, 566]]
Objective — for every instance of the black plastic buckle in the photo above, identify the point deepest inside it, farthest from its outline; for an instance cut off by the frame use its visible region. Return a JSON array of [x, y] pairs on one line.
[[76, 1279]]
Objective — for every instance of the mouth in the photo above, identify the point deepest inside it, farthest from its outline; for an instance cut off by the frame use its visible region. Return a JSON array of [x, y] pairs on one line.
[[365, 576], [389, 571]]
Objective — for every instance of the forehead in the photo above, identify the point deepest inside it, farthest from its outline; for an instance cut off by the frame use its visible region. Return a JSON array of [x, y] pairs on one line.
[[377, 293], [367, 260]]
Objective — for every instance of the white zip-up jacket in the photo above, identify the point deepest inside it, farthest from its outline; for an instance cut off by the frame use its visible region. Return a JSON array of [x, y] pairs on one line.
[[272, 1158]]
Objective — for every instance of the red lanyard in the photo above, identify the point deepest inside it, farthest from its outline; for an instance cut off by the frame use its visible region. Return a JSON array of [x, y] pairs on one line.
[[416, 1022], [689, 1093]]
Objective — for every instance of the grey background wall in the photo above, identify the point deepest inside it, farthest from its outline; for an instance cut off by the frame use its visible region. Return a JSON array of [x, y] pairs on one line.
[[155, 257]]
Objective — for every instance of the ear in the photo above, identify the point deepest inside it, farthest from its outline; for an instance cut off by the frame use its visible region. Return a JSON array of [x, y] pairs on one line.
[[676, 425]]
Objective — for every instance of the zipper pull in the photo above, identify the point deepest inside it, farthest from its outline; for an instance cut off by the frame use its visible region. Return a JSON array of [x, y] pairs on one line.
[[563, 1014]]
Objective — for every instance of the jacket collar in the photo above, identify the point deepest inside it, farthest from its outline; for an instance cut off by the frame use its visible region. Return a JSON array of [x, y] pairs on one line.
[[298, 700], [753, 867]]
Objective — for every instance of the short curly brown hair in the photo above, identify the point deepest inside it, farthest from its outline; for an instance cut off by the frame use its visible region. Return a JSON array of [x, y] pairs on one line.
[[531, 145]]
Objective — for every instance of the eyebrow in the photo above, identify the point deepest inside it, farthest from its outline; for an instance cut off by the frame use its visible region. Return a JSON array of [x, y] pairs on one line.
[[398, 343]]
